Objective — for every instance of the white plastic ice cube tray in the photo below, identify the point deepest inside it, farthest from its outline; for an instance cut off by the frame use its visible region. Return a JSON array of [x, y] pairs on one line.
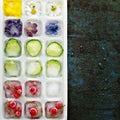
[[52, 89]]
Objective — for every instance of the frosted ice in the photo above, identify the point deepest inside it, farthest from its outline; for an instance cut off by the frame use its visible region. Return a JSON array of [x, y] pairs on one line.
[[53, 89]]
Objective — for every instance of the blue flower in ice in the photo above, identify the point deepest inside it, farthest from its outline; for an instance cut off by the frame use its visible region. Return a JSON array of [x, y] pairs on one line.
[[52, 28]]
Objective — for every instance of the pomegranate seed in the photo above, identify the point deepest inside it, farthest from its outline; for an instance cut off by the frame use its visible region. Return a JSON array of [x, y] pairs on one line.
[[59, 105], [33, 112], [18, 113], [53, 111], [16, 95], [33, 90], [12, 104]]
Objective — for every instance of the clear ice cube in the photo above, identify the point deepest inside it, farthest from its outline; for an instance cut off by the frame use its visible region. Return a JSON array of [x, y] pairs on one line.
[[53, 89]]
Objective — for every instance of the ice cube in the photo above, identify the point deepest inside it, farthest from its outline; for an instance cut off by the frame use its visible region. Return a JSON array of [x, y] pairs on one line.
[[12, 68], [53, 68], [33, 89], [53, 89], [33, 110], [54, 109], [13, 109], [36, 68], [13, 89]]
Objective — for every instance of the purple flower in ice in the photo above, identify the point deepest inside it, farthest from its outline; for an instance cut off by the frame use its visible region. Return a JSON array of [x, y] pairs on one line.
[[13, 28], [31, 29]]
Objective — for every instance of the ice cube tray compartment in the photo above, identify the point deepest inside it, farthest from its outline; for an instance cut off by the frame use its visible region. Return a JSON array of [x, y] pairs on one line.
[[29, 86]]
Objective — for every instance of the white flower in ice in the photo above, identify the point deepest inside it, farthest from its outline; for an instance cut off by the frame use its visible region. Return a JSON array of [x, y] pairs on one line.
[[54, 8], [32, 7]]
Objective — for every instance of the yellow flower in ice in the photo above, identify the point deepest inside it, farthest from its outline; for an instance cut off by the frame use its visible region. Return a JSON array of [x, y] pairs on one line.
[[12, 8]]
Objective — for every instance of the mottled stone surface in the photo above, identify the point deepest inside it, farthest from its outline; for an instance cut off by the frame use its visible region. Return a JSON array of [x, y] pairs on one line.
[[94, 59]]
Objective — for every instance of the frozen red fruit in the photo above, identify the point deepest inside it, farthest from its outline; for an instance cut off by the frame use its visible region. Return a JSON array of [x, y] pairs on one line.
[[12, 104], [13, 109], [59, 105], [33, 111], [33, 90], [17, 109], [53, 111], [16, 95], [18, 87], [19, 91], [18, 113], [13, 89]]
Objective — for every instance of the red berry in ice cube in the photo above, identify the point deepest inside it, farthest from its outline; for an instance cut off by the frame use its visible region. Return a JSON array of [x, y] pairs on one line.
[[17, 109], [16, 95], [18, 87], [33, 90], [18, 113], [59, 105], [12, 104], [19, 91], [53, 111], [33, 112]]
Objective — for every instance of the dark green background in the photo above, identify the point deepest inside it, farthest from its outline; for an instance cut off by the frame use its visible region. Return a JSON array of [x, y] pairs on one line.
[[94, 59]]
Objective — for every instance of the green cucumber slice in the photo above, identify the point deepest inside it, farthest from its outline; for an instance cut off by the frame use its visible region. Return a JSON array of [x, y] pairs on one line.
[[12, 68], [33, 47], [53, 68], [34, 68], [54, 49], [12, 48]]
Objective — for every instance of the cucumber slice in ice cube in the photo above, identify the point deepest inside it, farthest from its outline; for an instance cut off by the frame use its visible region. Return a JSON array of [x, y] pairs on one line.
[[12, 68], [34, 68], [54, 49], [53, 68], [33, 47], [12, 48]]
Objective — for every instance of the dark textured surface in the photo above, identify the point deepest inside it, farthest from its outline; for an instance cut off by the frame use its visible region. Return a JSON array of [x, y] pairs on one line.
[[94, 59]]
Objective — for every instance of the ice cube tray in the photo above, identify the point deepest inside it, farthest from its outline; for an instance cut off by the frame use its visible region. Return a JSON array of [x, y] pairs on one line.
[[33, 59]]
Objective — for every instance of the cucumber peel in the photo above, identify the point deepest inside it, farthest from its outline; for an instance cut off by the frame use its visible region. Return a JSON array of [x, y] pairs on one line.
[[53, 68], [12, 48], [54, 49], [33, 47]]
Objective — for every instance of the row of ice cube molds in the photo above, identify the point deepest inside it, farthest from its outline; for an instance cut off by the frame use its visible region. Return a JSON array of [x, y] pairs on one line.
[[32, 27], [32, 8], [33, 109], [32, 48], [33, 68], [32, 89]]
